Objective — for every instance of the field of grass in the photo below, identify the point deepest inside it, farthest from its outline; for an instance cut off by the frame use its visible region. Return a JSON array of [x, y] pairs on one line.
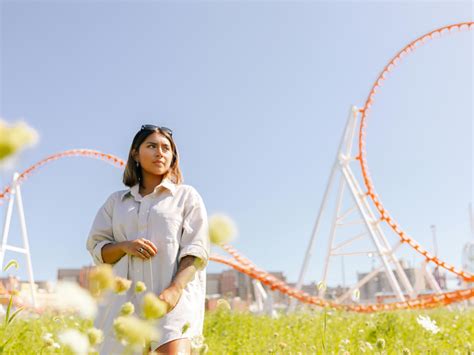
[[338, 333], [310, 332]]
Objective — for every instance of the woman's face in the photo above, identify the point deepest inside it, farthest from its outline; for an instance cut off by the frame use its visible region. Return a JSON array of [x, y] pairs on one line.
[[155, 154]]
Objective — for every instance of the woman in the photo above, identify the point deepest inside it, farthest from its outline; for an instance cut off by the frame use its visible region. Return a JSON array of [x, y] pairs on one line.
[[155, 232]]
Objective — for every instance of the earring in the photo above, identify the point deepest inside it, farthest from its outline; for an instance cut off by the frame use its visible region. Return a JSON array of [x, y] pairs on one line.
[[138, 164]]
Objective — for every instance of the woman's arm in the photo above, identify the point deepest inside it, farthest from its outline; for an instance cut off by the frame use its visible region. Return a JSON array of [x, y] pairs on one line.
[[113, 252], [186, 271], [101, 232]]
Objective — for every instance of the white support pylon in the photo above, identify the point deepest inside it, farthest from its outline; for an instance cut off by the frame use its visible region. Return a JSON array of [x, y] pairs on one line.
[[431, 280], [384, 251], [260, 295], [263, 299], [16, 195]]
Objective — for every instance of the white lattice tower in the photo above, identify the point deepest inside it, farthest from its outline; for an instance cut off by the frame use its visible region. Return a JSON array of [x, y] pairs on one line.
[[16, 196], [381, 248]]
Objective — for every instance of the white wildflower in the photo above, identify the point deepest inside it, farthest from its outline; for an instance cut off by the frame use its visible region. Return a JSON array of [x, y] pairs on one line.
[[427, 323], [48, 339], [355, 295], [75, 340], [71, 296], [322, 286], [197, 341]]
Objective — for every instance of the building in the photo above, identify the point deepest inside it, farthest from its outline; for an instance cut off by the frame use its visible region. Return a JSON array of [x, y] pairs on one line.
[[378, 287], [231, 283], [213, 284], [80, 276], [228, 286], [9, 283]]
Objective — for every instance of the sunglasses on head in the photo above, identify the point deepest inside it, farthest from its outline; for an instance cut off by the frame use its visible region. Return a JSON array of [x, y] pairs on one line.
[[152, 127]]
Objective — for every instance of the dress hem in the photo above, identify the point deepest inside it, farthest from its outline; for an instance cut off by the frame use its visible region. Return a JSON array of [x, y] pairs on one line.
[[167, 340]]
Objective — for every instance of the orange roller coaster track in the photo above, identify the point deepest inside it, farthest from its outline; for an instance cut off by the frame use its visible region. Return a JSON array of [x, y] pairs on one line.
[[362, 156], [244, 265]]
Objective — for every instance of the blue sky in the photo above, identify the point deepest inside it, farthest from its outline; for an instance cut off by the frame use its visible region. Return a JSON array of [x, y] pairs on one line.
[[257, 94]]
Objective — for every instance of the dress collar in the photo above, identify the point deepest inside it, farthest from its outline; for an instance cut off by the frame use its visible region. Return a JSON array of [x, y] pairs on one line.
[[134, 190]]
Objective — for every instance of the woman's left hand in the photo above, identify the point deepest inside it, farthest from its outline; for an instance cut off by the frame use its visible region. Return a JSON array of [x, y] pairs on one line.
[[171, 295]]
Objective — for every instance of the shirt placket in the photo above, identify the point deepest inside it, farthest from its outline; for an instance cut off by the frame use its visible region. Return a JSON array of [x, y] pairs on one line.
[[143, 216], [143, 213]]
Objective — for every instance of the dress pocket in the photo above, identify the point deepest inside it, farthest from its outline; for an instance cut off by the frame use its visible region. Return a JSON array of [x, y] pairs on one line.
[[166, 225]]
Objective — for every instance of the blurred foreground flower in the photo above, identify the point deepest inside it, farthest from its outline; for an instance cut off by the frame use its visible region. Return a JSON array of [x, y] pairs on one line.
[[127, 309], [74, 340], [223, 305], [427, 323], [153, 307], [96, 336], [101, 278], [121, 284], [70, 296], [140, 287], [221, 229], [135, 332], [15, 137]]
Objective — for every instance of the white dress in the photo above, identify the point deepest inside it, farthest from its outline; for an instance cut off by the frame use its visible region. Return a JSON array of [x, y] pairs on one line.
[[174, 218]]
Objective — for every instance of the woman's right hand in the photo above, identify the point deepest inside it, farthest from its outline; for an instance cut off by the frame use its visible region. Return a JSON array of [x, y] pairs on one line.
[[131, 247]]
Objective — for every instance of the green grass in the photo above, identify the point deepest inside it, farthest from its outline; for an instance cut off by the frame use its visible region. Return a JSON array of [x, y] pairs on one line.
[[391, 333], [24, 334], [239, 333]]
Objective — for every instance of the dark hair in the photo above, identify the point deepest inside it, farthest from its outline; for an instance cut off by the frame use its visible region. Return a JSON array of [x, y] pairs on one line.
[[133, 173]]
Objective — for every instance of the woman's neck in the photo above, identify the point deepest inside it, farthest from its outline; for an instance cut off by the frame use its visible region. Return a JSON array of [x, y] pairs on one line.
[[149, 182]]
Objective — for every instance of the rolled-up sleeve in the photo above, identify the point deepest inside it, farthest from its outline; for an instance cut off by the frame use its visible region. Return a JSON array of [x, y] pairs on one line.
[[195, 234], [101, 232]]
